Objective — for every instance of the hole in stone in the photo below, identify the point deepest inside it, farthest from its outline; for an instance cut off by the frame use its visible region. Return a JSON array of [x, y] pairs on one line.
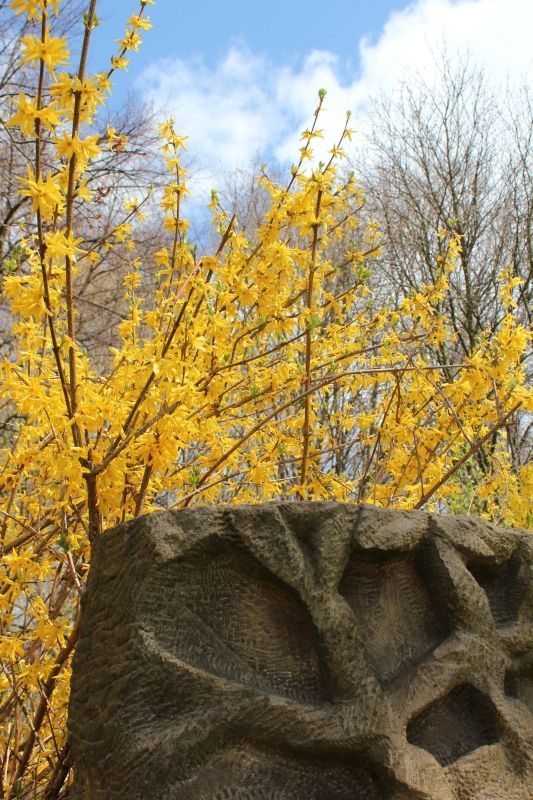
[[504, 588], [455, 725], [397, 607], [220, 610]]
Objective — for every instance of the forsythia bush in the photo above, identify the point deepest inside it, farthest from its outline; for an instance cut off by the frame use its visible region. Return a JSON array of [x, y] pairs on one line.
[[240, 376]]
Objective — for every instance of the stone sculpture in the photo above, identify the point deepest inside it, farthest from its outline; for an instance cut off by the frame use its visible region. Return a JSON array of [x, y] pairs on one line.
[[305, 651]]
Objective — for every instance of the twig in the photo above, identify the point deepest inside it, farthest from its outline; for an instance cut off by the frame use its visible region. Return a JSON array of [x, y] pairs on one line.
[[473, 450], [139, 502], [69, 216], [306, 432], [59, 774], [48, 689]]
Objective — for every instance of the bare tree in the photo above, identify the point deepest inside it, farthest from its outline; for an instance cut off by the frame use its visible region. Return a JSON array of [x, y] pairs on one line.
[[449, 155], [454, 154], [519, 120]]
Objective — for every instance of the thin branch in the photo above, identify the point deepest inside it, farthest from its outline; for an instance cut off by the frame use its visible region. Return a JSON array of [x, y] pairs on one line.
[[306, 432], [48, 690], [472, 451], [69, 212]]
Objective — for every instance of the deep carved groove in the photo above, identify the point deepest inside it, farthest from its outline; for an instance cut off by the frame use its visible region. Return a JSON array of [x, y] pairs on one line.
[[403, 623], [222, 612], [519, 680], [504, 588]]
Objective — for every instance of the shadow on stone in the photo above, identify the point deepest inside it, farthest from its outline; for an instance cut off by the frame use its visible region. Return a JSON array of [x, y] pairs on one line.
[[242, 773], [504, 587], [453, 726]]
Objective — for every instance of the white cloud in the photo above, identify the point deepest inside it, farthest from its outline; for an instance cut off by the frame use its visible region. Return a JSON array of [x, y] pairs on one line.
[[224, 109], [496, 33], [241, 108], [246, 107]]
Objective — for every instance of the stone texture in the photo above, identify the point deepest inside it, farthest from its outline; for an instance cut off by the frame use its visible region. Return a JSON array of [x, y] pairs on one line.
[[305, 652]]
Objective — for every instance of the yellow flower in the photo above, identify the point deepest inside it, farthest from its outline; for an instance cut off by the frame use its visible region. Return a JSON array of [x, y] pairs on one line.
[[167, 132], [162, 258], [132, 280], [91, 92], [103, 82], [84, 149], [10, 648], [24, 118], [59, 246], [83, 192], [46, 195], [93, 257], [63, 88], [25, 296], [27, 113], [50, 632], [49, 115], [34, 8], [131, 41], [53, 51], [139, 22], [119, 62]]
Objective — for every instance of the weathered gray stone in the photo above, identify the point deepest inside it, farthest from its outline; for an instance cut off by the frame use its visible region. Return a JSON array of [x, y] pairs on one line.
[[305, 652]]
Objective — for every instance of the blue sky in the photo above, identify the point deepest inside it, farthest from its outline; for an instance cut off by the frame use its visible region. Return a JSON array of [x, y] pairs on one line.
[[282, 30], [240, 78]]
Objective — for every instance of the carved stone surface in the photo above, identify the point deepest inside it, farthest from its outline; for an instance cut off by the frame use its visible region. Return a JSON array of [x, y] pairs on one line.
[[305, 651]]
